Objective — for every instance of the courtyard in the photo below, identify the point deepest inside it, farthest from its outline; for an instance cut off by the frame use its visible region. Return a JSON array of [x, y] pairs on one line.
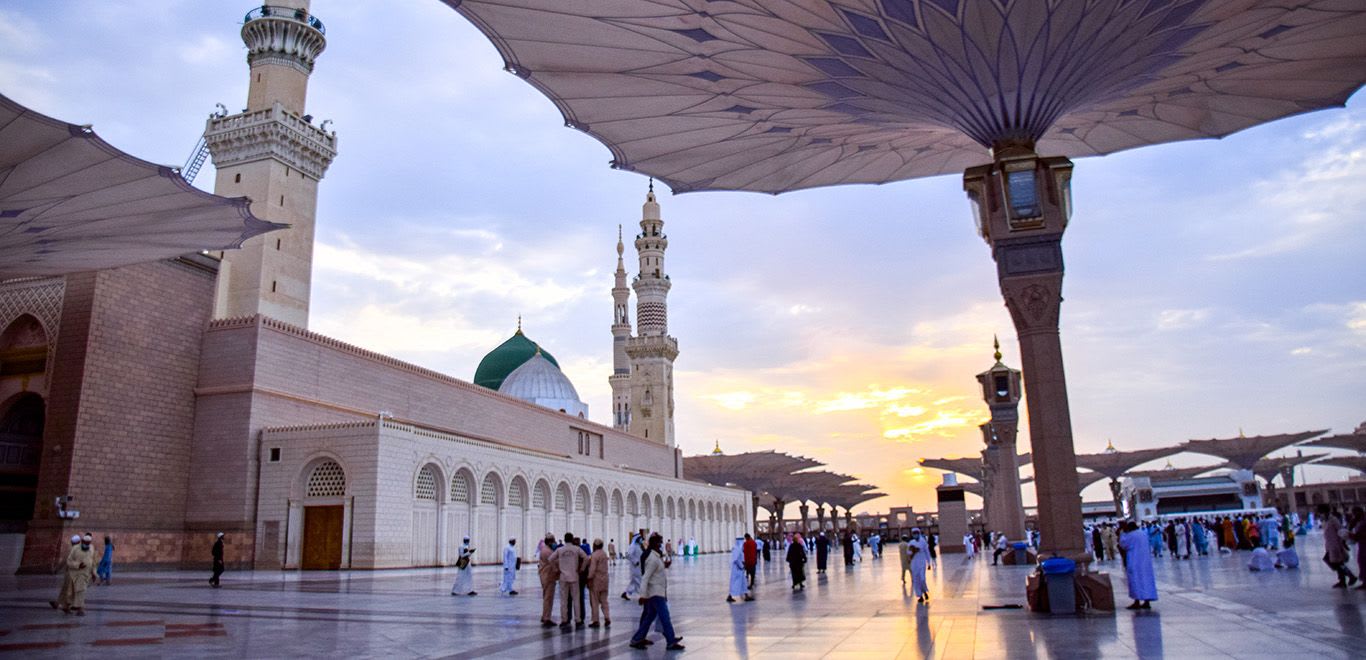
[[1210, 607]]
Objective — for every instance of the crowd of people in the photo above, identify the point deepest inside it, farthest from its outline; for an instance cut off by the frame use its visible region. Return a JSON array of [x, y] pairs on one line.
[[579, 571]]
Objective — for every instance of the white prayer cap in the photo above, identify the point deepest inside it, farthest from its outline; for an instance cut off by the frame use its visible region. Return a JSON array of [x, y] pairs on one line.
[[75, 539], [220, 535]]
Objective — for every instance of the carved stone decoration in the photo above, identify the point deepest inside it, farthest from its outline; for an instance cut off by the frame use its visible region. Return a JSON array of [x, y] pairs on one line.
[[283, 40], [1033, 302], [272, 133], [40, 297]]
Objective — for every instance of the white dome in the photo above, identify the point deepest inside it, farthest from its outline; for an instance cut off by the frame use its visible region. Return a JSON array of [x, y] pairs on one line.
[[540, 382]]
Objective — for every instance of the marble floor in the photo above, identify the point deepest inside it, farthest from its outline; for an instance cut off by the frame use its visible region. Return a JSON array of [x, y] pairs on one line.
[[1209, 608]]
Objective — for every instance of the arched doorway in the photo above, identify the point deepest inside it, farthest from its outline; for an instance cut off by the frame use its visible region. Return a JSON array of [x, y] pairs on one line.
[[324, 517], [427, 496], [23, 411]]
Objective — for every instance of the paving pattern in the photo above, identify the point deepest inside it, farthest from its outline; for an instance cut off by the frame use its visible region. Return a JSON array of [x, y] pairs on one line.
[[1209, 608]]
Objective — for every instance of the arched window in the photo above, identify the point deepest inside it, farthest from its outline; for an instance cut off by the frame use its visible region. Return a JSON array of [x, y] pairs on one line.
[[600, 501], [581, 500], [562, 496], [645, 506], [460, 488], [616, 502], [426, 483], [540, 497], [326, 480], [669, 507], [632, 504], [517, 493], [488, 492]]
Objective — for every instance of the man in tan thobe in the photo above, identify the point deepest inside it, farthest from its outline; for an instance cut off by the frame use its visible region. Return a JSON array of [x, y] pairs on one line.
[[597, 585], [570, 559], [549, 572], [80, 570]]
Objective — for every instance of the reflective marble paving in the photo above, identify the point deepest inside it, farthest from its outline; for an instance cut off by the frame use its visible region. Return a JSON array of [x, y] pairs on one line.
[[1209, 608]]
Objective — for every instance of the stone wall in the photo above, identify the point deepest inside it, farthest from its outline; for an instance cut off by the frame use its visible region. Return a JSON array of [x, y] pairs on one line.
[[121, 410]]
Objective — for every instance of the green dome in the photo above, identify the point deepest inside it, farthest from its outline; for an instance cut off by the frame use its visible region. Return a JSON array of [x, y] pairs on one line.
[[503, 360]]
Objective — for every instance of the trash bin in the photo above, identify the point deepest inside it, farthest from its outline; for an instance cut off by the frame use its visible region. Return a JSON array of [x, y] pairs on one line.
[[1021, 553], [1059, 575]]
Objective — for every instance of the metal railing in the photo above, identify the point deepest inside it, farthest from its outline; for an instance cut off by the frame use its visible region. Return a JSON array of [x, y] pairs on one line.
[[273, 11]]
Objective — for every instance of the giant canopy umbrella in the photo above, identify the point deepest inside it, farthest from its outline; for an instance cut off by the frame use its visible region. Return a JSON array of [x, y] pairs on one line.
[[1357, 463], [1267, 468], [1113, 464], [71, 202], [1172, 473], [750, 470], [976, 487], [777, 95], [1353, 441], [1243, 452]]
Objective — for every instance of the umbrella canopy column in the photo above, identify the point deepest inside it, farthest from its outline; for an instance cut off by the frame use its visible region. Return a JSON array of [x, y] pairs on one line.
[[1023, 203]]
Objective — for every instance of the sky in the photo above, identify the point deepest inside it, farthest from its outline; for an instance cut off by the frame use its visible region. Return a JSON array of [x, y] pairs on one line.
[[1212, 287]]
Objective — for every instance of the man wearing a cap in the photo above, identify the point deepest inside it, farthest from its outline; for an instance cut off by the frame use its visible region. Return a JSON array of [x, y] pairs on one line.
[[80, 570]]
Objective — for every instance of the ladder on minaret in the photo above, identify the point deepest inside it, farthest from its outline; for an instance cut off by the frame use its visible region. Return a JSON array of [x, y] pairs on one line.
[[196, 161]]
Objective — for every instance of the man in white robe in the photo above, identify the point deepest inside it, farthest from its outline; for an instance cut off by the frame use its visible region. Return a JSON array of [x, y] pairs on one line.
[[509, 586], [464, 571], [739, 580], [919, 550], [858, 549], [1183, 540], [1261, 560], [633, 558], [968, 546], [1138, 567]]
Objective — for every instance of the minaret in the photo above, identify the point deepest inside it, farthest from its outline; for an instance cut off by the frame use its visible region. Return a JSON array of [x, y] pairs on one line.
[[1001, 478], [620, 380], [652, 352], [273, 154]]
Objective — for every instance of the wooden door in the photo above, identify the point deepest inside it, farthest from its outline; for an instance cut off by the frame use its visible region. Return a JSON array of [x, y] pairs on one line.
[[322, 537]]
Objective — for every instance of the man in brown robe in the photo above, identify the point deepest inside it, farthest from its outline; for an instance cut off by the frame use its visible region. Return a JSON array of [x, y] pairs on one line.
[[80, 570], [570, 559], [549, 572], [597, 585]]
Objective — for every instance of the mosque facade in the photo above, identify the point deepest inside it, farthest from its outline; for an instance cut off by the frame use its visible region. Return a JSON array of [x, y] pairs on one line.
[[166, 402]]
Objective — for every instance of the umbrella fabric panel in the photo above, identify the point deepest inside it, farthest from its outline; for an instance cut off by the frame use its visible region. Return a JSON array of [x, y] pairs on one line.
[[764, 94], [70, 202]]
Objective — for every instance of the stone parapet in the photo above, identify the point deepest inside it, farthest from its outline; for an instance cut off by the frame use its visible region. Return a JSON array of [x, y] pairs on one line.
[[273, 132]]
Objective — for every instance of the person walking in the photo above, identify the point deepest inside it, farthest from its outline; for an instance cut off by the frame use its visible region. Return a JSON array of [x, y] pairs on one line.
[[1000, 549], [612, 552], [633, 556], [919, 550], [904, 552], [848, 544], [822, 552], [1358, 535], [105, 571], [464, 571], [80, 564], [510, 566], [549, 574], [1138, 567], [751, 556], [796, 562], [655, 597], [739, 577], [598, 578], [571, 560], [1335, 546], [218, 565]]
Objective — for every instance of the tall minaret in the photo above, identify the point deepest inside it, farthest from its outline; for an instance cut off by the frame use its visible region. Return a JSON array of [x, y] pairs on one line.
[[273, 154], [620, 380], [652, 352]]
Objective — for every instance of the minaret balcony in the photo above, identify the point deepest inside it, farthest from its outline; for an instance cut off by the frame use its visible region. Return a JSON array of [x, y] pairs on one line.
[[285, 13], [283, 35], [271, 133]]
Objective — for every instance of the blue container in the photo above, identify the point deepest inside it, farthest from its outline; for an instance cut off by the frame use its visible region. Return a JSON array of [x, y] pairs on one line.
[[1058, 566]]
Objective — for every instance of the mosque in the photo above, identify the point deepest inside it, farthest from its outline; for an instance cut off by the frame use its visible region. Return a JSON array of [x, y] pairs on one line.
[[166, 402]]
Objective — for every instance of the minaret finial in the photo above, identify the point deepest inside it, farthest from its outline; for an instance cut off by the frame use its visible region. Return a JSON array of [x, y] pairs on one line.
[[996, 344], [717, 451], [1110, 446], [652, 184], [621, 248], [519, 324]]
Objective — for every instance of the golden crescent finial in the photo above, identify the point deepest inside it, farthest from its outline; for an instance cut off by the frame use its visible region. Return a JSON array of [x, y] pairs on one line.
[[996, 344]]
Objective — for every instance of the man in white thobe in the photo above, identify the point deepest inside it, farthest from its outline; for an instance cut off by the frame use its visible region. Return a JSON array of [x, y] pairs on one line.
[[464, 571], [633, 557], [919, 550], [858, 549], [739, 579], [509, 586]]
